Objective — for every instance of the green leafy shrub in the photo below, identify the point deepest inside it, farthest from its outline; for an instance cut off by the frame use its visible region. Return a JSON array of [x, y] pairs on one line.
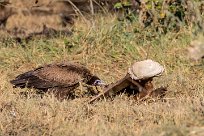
[[165, 15]]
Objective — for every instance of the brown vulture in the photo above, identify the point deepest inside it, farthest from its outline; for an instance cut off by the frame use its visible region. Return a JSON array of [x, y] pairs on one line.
[[59, 78]]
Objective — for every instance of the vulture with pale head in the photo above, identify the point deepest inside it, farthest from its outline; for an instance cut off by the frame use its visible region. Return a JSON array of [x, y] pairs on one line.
[[59, 78]]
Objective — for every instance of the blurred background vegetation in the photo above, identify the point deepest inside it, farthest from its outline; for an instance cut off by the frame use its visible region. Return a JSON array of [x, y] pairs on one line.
[[165, 15]]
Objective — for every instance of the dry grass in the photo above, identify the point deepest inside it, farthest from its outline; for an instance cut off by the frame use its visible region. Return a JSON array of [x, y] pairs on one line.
[[22, 18], [107, 47]]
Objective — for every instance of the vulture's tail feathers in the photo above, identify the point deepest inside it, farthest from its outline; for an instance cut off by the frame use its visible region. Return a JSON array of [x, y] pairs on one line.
[[23, 80]]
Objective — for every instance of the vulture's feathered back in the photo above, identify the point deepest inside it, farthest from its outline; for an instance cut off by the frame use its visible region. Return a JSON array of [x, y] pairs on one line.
[[59, 77]]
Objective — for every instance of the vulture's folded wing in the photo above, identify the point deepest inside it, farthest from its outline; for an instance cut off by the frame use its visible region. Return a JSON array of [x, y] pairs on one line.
[[53, 75]]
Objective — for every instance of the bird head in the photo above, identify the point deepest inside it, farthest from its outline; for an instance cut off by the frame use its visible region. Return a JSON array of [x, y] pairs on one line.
[[99, 82], [96, 81]]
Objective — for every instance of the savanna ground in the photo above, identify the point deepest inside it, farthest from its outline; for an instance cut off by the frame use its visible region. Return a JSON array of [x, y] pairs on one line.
[[107, 47]]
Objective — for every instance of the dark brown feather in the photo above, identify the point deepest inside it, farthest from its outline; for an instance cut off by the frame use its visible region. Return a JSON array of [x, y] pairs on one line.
[[58, 76]]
